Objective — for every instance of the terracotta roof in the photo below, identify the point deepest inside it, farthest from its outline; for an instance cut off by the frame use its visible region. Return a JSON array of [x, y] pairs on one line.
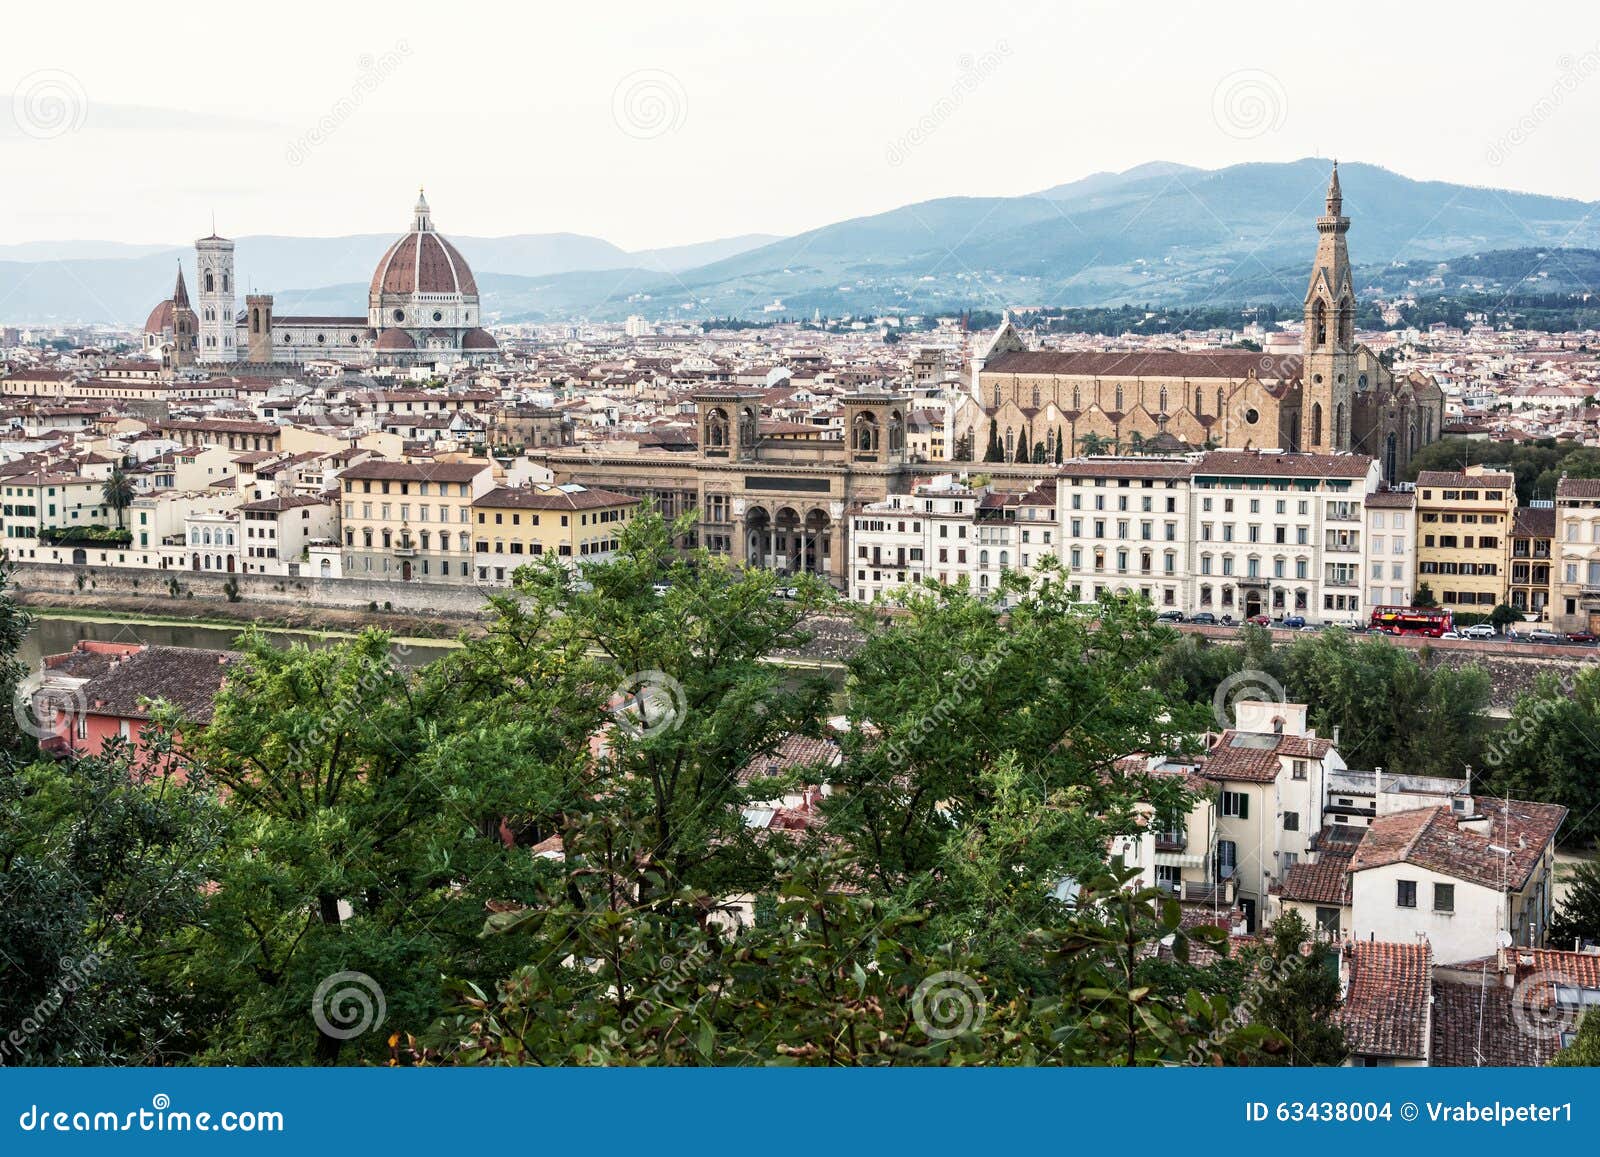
[[793, 752], [1457, 478], [1578, 488], [1327, 881], [1253, 757], [187, 677], [1250, 462], [553, 498], [423, 262], [1230, 365], [377, 469], [1124, 468], [1391, 499], [1534, 522], [1385, 1010], [1433, 838]]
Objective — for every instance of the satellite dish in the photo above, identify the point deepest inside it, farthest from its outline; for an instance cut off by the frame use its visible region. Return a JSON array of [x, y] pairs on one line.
[[1504, 939]]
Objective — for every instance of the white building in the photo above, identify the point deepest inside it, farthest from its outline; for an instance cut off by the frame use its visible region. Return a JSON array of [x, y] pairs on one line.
[[1280, 534], [1390, 551], [1125, 527]]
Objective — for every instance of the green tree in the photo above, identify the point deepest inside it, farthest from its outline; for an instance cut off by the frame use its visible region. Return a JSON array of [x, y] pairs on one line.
[[1578, 917], [1060, 445], [1299, 995], [118, 492], [1092, 444], [994, 452], [1545, 752], [1584, 1051], [1504, 616]]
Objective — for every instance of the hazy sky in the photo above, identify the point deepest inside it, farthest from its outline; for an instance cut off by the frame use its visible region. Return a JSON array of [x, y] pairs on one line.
[[656, 124]]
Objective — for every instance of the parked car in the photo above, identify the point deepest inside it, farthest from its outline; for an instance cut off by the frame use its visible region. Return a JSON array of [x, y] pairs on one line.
[[1260, 620], [1294, 622], [1478, 631], [1545, 637], [1170, 617], [1452, 635], [1203, 618], [1308, 629], [1583, 637]]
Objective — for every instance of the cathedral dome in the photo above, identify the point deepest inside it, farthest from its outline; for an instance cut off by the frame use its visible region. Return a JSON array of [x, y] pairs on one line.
[[423, 262], [160, 319], [395, 339], [478, 339]]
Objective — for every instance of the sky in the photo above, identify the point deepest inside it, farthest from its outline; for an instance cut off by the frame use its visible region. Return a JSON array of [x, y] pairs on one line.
[[653, 124]]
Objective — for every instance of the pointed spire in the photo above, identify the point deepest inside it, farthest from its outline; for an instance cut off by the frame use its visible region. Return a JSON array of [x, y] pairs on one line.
[[180, 295], [1335, 197], [422, 222]]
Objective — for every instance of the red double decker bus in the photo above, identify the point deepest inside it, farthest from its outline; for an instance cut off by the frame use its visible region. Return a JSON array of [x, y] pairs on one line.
[[1413, 621]]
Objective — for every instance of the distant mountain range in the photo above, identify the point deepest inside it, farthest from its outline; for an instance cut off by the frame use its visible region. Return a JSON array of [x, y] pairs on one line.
[[1159, 233]]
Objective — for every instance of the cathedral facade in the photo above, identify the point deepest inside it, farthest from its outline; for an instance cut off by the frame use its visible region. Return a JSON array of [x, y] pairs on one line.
[[1334, 396], [422, 309]]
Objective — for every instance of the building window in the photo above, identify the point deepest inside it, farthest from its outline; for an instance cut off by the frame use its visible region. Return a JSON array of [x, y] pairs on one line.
[[1444, 897], [1405, 894], [1291, 821], [1236, 805]]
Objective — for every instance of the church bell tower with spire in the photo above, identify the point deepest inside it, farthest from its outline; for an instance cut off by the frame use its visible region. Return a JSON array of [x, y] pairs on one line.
[[1329, 344]]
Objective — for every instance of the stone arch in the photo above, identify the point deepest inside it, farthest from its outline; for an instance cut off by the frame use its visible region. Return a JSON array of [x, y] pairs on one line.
[[864, 434], [1316, 425], [717, 430]]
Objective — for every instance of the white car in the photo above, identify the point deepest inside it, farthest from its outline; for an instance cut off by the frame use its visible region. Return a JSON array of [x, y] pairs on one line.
[[1452, 635], [1478, 631]]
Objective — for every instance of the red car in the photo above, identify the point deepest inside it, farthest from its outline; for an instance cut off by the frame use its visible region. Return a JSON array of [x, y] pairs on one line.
[[1261, 620], [1580, 637]]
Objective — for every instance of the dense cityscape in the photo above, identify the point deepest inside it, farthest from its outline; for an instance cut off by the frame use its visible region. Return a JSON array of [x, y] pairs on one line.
[[1153, 621]]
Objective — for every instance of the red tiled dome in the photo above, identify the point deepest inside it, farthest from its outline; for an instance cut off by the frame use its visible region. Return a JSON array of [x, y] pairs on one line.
[[423, 262], [160, 319], [395, 339], [478, 339]]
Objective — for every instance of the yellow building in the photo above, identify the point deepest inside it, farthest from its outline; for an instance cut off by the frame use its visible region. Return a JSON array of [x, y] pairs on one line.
[[513, 525], [410, 520], [1464, 528]]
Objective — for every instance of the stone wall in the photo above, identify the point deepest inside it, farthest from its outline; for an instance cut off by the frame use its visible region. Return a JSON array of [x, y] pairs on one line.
[[259, 591]]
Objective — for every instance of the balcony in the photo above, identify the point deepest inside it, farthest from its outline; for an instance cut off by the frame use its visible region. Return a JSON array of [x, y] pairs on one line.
[[1220, 893], [1171, 841]]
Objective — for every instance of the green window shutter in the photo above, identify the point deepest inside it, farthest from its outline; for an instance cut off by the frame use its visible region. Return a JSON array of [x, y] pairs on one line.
[[1244, 806]]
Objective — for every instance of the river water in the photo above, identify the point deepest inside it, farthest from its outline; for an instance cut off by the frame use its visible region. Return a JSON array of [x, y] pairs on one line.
[[52, 636]]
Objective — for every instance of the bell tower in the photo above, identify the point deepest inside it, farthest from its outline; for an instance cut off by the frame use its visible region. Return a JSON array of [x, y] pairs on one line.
[[1330, 335], [215, 296]]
